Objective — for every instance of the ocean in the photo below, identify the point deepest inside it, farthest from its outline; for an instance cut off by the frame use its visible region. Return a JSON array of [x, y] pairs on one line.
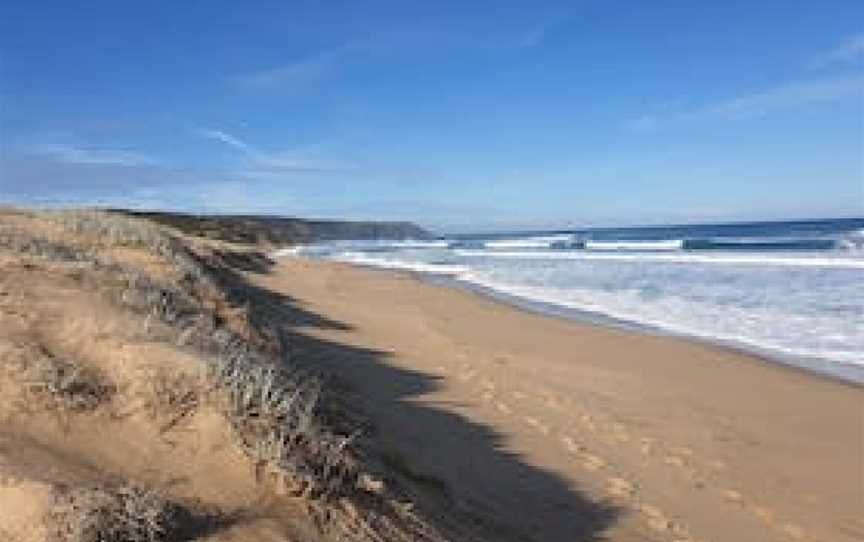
[[790, 291]]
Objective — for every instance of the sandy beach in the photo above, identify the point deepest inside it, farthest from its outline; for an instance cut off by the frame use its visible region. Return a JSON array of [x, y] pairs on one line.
[[538, 428]]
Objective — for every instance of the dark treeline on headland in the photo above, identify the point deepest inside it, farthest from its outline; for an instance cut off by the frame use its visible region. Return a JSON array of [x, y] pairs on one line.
[[279, 230]]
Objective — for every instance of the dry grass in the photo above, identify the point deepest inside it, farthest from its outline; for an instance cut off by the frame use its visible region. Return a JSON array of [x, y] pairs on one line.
[[20, 242], [170, 397], [56, 384], [116, 230], [272, 405], [125, 513]]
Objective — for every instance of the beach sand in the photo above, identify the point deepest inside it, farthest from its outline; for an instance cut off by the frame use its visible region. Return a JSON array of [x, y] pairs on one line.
[[538, 428]]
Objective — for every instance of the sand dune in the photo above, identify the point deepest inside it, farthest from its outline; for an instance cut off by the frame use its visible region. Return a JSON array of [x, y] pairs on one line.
[[145, 394]]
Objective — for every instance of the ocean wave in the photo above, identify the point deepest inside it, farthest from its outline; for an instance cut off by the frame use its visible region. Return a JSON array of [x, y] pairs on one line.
[[852, 241], [754, 244], [546, 241], [792, 260], [441, 268], [417, 244], [636, 245]]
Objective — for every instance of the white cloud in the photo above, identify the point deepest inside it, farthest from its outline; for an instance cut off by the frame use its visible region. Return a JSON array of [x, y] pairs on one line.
[[295, 75], [269, 165], [786, 97], [850, 51], [92, 155], [228, 139], [535, 36]]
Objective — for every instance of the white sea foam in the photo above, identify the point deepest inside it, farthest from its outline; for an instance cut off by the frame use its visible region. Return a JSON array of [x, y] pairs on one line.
[[835, 261], [417, 244], [765, 328], [287, 251], [405, 265], [666, 244], [546, 241]]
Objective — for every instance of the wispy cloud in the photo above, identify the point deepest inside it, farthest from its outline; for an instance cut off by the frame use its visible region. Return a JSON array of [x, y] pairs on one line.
[[533, 37], [73, 154], [297, 74], [58, 171], [850, 52], [786, 97], [538, 33], [227, 139], [259, 163]]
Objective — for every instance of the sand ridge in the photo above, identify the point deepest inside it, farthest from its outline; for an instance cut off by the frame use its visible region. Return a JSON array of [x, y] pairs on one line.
[[146, 395]]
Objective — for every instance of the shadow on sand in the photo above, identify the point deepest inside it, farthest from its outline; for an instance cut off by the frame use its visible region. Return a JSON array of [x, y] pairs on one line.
[[459, 472]]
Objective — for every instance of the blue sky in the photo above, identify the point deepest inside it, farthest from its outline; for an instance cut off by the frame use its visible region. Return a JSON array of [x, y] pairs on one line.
[[459, 115]]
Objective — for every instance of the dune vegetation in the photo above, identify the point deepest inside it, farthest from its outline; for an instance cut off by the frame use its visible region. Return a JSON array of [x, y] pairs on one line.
[[149, 392]]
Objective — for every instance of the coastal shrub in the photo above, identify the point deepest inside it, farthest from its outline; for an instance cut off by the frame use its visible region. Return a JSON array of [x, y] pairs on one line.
[[20, 242], [272, 405], [171, 397], [113, 229], [60, 384], [126, 513]]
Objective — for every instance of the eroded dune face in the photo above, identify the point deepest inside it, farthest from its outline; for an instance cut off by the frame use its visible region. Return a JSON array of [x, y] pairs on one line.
[[145, 394]]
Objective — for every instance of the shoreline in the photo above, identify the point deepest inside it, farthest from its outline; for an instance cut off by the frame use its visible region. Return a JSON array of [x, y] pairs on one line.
[[690, 440], [853, 377], [837, 371]]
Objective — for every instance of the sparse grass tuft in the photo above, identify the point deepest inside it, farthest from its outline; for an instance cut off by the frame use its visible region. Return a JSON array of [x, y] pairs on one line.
[[126, 513], [112, 229], [23, 243], [63, 385], [274, 411]]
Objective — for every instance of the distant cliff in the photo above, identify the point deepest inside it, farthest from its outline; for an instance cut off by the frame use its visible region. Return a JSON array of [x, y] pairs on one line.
[[280, 230]]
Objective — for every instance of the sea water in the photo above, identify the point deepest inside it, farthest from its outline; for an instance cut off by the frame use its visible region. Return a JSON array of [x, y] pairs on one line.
[[791, 291]]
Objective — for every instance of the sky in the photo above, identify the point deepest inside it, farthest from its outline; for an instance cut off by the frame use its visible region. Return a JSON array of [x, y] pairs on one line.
[[456, 115]]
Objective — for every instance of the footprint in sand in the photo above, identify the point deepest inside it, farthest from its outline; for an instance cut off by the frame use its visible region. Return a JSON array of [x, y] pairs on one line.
[[647, 446], [763, 513], [502, 407], [674, 460], [537, 424], [592, 462], [620, 433], [467, 375], [681, 450], [730, 495], [793, 531], [655, 518], [619, 487], [588, 421], [717, 464], [551, 402], [571, 445]]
